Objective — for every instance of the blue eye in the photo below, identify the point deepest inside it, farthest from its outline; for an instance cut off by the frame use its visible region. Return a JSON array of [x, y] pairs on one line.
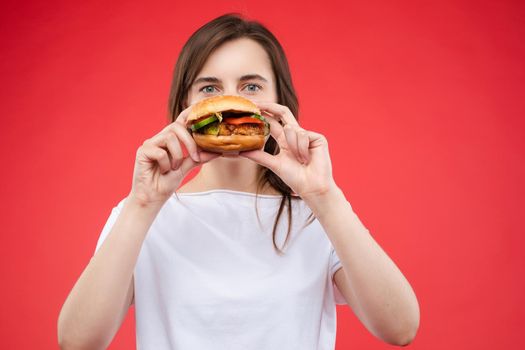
[[208, 89], [253, 87]]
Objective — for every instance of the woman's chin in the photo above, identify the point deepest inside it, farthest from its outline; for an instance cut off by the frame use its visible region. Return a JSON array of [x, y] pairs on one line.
[[231, 155]]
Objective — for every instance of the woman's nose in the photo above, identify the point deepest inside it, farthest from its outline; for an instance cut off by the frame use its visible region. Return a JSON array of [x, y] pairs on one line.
[[231, 92], [231, 89]]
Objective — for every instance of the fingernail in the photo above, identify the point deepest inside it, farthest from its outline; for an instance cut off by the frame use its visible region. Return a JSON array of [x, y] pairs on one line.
[[196, 157]]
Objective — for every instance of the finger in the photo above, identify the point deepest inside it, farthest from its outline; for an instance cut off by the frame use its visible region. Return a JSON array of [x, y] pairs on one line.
[[161, 140], [316, 139], [303, 144], [265, 159], [156, 140], [188, 163], [181, 118], [281, 112], [173, 145], [185, 137], [291, 139], [158, 155], [277, 132]]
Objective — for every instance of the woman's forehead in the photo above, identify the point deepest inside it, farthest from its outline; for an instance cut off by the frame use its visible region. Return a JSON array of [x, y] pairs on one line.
[[237, 58]]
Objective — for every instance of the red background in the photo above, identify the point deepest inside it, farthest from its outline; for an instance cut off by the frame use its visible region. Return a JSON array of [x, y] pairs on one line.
[[422, 104]]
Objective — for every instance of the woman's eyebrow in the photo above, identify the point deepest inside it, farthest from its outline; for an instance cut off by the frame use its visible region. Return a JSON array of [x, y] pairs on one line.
[[206, 80], [253, 77], [242, 78]]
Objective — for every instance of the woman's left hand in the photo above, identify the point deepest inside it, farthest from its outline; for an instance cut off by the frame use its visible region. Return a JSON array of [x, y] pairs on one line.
[[303, 162]]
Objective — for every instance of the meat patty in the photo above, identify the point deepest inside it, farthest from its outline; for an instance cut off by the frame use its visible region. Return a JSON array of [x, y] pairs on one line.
[[242, 129]]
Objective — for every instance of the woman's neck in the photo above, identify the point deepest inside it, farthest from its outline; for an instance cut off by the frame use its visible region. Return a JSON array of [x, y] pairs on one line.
[[232, 173]]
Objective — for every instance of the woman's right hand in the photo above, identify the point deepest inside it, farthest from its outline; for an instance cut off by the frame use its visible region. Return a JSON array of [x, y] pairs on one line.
[[160, 165]]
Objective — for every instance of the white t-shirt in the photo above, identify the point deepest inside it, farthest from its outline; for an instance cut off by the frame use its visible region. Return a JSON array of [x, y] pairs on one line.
[[208, 277]]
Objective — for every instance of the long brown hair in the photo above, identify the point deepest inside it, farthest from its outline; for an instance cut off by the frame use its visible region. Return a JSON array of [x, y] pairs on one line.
[[191, 60]]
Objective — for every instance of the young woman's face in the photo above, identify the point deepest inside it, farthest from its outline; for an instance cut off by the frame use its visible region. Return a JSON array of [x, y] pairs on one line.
[[239, 67]]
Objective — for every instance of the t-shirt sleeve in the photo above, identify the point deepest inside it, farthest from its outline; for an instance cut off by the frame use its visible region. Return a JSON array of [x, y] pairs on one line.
[[335, 264], [109, 224]]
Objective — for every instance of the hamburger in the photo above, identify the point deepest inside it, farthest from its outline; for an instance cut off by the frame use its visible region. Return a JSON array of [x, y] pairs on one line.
[[227, 124]]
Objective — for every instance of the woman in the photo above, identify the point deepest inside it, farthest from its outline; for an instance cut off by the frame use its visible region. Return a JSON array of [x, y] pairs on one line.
[[203, 268]]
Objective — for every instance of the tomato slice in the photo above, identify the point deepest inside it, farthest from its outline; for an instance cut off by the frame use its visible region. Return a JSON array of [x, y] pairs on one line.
[[242, 120]]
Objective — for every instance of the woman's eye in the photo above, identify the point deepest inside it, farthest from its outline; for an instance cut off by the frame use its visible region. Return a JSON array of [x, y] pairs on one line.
[[253, 87], [208, 89]]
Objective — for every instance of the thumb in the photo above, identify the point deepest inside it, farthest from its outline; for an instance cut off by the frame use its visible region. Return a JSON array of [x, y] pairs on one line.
[[262, 158], [188, 163]]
